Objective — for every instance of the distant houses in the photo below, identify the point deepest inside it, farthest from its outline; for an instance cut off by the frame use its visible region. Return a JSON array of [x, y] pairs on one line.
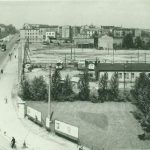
[[87, 36]]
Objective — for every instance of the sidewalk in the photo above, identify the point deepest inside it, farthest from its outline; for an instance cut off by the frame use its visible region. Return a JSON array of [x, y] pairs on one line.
[[22, 129]]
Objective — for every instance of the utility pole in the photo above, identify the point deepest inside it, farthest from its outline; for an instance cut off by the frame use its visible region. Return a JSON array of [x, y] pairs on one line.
[[145, 58], [113, 56], [71, 50], [131, 72], [124, 76], [65, 60], [138, 55], [74, 54], [49, 93]]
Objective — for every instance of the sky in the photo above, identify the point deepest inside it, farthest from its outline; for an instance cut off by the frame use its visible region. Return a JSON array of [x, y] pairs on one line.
[[126, 13]]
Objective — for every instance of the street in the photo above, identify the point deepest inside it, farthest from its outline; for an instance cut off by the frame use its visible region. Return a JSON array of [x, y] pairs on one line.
[[13, 126]]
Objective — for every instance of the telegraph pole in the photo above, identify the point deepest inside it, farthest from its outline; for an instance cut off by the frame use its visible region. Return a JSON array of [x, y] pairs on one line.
[[71, 50], [113, 56], [138, 55], [145, 58], [74, 54], [49, 93]]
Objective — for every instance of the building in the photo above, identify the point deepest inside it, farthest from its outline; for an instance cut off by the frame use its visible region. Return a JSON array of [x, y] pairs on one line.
[[75, 30], [90, 30], [31, 32], [50, 35], [39, 33], [105, 42], [107, 30], [83, 41], [2, 29], [66, 32], [127, 73]]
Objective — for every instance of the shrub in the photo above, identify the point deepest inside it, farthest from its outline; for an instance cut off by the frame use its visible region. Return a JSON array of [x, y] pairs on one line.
[[94, 99]]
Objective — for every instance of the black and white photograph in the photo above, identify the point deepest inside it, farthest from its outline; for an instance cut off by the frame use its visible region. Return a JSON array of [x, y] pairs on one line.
[[75, 74]]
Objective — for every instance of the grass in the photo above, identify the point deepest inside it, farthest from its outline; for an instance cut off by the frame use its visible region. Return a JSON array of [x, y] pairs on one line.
[[107, 125]]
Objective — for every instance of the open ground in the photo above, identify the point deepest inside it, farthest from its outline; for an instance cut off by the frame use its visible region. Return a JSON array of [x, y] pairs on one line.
[[42, 54], [109, 125]]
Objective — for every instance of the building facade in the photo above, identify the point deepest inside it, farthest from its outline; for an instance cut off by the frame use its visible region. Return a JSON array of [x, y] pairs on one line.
[[127, 73], [105, 42], [66, 32]]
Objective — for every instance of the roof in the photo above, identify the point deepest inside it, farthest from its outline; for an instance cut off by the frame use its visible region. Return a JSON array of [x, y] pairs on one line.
[[128, 67]]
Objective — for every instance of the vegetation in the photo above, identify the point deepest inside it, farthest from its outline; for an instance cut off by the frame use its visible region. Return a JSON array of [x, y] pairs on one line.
[[141, 93], [56, 87], [114, 87], [103, 88], [8, 29], [35, 90], [83, 85], [128, 41]]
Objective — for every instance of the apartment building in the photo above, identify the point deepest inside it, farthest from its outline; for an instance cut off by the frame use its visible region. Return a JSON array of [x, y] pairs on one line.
[[65, 32], [31, 32]]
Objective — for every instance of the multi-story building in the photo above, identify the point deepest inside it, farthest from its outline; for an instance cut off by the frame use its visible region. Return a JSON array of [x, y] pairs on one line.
[[65, 32], [83, 41], [105, 42], [31, 32], [75, 30], [50, 35]]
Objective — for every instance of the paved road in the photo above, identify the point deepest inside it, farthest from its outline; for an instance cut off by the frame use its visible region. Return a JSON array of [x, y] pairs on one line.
[[10, 45], [4, 143]]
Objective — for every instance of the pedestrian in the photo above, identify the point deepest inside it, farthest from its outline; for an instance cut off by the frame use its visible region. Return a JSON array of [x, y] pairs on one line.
[[1, 71], [5, 100], [15, 56], [13, 142], [81, 148]]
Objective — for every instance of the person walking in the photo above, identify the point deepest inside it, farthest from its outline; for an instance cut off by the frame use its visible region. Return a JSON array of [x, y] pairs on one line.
[[13, 142], [1, 71], [6, 100]]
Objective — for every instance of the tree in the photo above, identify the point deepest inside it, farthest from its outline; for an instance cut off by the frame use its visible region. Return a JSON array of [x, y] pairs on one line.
[[141, 93], [39, 89], [114, 86], [67, 87], [138, 42], [128, 41], [83, 85], [25, 90], [56, 87], [103, 87]]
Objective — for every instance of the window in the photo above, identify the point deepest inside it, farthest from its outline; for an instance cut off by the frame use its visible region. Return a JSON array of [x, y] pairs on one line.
[[132, 75], [126, 75], [120, 75]]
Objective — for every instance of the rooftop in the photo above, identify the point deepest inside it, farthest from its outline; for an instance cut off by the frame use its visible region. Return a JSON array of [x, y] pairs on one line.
[[136, 67]]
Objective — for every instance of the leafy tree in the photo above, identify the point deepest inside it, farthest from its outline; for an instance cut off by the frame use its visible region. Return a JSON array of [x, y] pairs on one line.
[[83, 85], [103, 87], [114, 86], [56, 87], [67, 87], [141, 93], [39, 89], [127, 41], [25, 90], [138, 42]]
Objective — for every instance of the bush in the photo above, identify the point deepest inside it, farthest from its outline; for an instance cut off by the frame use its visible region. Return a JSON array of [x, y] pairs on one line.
[[94, 99], [70, 98], [138, 115]]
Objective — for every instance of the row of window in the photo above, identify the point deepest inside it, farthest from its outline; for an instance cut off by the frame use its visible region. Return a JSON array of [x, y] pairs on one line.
[[126, 75], [31, 33]]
